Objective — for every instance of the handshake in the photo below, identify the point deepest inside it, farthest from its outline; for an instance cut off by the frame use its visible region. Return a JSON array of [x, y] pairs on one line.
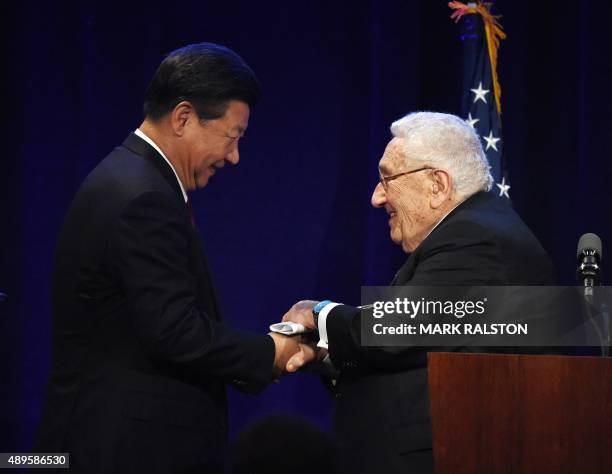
[[294, 352]]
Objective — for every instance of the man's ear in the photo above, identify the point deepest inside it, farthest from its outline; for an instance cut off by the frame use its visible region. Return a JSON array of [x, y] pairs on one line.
[[180, 116], [440, 188]]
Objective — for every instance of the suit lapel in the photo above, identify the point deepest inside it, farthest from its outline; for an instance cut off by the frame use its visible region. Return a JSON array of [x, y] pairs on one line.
[[405, 273], [206, 296]]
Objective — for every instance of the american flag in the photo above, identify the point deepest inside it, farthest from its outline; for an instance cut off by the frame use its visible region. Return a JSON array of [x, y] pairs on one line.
[[481, 106]]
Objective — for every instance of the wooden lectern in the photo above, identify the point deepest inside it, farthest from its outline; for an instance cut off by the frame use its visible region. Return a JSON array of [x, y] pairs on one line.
[[516, 414]]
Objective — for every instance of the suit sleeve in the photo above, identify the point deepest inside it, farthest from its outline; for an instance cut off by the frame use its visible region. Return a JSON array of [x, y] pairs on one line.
[[466, 257], [150, 252]]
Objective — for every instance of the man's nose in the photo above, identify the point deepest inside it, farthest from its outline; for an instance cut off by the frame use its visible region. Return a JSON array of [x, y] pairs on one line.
[[379, 197], [233, 156]]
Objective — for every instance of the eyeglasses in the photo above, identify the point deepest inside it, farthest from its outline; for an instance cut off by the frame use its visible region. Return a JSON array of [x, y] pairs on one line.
[[384, 180]]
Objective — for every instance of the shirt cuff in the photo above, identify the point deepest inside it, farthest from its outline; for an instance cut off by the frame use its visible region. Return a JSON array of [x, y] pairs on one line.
[[323, 324]]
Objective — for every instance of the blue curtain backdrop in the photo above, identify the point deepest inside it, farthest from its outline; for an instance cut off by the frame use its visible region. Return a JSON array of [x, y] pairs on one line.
[[293, 219]]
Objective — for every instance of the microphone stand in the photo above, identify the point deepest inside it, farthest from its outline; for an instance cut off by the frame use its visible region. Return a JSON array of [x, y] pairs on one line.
[[605, 317], [602, 312], [589, 304]]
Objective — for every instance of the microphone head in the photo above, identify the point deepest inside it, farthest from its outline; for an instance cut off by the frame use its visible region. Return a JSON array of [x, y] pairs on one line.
[[589, 242]]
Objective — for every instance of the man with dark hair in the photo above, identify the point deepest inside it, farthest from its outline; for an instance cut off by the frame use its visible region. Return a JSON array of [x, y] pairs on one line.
[[141, 354]]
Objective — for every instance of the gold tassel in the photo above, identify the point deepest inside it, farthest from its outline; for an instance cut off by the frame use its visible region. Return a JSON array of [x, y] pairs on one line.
[[493, 31]]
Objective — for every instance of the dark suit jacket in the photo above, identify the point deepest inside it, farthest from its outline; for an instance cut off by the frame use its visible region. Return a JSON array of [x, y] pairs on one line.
[[382, 409], [141, 356]]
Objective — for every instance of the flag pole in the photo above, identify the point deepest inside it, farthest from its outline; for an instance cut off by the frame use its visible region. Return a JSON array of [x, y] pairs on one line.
[[493, 32]]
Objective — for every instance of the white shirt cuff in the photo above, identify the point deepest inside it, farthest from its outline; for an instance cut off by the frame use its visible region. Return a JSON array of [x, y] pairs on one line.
[[323, 324]]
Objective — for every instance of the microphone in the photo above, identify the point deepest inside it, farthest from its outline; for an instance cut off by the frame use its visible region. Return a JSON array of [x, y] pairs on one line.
[[589, 273], [589, 257]]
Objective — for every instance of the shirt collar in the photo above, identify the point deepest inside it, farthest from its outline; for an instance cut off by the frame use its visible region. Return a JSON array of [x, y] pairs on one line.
[[443, 217], [142, 135]]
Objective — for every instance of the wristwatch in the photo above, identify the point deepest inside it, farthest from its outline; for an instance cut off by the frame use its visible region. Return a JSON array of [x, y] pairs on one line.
[[317, 309]]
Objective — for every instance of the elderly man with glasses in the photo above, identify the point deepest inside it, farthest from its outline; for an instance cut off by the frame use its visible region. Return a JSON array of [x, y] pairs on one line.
[[434, 183]]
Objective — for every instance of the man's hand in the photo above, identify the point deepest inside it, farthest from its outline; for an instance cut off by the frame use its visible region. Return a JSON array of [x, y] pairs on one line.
[[308, 353], [301, 312], [291, 354]]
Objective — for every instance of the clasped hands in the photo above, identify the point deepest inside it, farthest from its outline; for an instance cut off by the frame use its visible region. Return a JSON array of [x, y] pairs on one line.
[[294, 352]]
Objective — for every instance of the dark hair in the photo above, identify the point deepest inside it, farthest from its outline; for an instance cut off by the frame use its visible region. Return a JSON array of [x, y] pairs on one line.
[[206, 74], [269, 447]]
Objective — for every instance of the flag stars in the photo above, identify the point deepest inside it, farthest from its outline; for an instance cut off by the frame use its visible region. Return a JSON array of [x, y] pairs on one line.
[[503, 188], [472, 121], [480, 93], [491, 141]]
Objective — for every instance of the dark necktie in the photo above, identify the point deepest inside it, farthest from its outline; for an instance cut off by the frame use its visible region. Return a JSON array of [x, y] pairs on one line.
[[190, 208]]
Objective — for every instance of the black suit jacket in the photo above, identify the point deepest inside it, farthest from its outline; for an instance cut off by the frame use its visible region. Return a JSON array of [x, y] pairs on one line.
[[382, 409], [141, 356]]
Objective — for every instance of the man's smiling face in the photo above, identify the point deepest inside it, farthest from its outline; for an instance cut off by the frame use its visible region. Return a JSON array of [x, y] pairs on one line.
[[405, 197], [213, 142]]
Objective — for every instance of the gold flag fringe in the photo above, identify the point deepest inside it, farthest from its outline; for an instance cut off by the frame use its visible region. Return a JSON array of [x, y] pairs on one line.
[[493, 31]]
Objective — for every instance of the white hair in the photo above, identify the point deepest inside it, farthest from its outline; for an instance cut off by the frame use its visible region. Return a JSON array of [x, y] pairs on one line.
[[447, 142]]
